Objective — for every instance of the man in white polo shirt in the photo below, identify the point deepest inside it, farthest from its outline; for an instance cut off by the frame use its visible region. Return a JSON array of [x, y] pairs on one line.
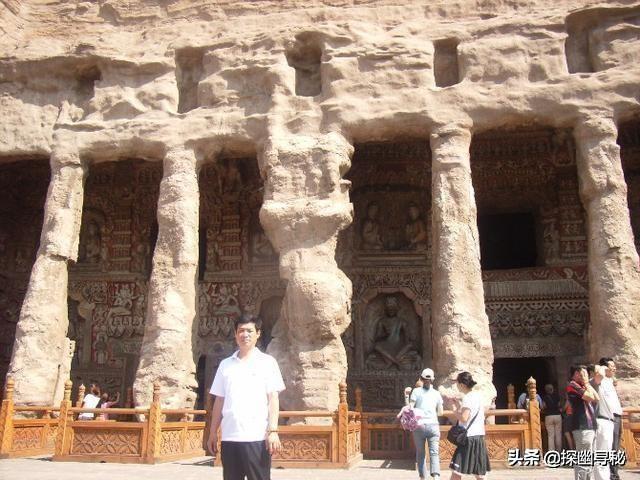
[[246, 387], [429, 401]]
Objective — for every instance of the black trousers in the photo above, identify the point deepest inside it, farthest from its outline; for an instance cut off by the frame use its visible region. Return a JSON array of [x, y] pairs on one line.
[[250, 459], [617, 432]]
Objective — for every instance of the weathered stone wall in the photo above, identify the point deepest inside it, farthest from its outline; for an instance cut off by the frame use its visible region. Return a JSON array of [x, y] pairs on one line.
[[88, 82]]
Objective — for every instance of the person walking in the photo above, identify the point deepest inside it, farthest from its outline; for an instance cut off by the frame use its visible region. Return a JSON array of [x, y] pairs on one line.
[[471, 458], [582, 399], [428, 401], [246, 387], [552, 417]]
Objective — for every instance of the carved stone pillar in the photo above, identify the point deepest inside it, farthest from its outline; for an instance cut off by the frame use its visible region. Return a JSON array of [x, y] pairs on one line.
[[461, 336], [306, 204], [614, 274], [40, 349], [166, 354]]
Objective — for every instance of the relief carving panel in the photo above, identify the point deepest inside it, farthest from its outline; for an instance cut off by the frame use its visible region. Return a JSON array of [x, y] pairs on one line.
[[107, 442], [304, 448]]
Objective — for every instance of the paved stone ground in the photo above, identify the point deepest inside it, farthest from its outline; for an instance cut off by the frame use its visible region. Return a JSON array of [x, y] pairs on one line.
[[200, 469]]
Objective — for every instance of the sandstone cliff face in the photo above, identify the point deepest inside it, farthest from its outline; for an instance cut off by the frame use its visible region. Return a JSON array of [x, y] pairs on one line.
[[299, 82]]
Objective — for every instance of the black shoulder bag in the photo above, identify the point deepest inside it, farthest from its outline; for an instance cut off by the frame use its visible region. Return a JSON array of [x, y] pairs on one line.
[[458, 434]]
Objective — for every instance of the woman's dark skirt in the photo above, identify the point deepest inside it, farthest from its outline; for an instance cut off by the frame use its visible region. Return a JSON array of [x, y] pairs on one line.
[[471, 458]]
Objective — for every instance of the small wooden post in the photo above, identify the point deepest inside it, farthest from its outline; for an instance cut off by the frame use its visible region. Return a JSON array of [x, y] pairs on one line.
[[364, 425], [62, 435], [129, 401], [154, 426], [511, 402], [534, 415], [81, 390], [6, 419], [343, 425], [627, 442], [511, 396]]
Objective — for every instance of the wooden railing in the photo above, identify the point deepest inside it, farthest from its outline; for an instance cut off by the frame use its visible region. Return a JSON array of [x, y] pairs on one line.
[[23, 437], [311, 439], [152, 439], [318, 438], [383, 437], [631, 436]]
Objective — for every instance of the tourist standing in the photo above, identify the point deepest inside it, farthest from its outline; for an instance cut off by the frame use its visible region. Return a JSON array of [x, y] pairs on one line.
[[567, 422], [428, 401], [471, 458], [246, 386], [607, 392], [90, 400], [106, 403], [582, 399], [523, 400], [552, 417], [605, 423]]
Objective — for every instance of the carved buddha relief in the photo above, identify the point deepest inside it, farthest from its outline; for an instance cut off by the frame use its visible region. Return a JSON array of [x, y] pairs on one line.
[[393, 334], [403, 227], [91, 246]]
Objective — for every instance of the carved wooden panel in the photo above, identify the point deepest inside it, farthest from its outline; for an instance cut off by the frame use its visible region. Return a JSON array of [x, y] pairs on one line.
[[103, 441], [193, 440], [446, 448], [393, 442], [353, 443], [636, 441], [171, 442], [499, 443], [28, 438], [305, 447], [51, 436]]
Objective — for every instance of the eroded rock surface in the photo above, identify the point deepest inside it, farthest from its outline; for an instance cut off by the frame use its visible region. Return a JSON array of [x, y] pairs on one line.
[[300, 83]]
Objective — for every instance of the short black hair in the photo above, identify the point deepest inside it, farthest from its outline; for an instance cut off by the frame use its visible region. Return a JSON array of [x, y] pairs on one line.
[[466, 379], [247, 318], [605, 360], [575, 368]]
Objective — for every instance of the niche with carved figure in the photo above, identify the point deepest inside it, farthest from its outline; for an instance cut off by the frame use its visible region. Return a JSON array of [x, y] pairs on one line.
[[392, 332], [305, 57], [445, 62], [602, 38], [188, 75]]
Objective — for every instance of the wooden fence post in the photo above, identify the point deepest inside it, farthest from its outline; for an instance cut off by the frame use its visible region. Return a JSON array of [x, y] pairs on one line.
[[81, 390], [511, 402], [364, 431], [154, 426], [6, 419], [63, 420], [627, 442], [534, 415], [343, 425]]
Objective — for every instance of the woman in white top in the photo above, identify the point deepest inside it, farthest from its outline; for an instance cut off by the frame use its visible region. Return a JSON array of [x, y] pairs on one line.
[[471, 458], [90, 400]]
